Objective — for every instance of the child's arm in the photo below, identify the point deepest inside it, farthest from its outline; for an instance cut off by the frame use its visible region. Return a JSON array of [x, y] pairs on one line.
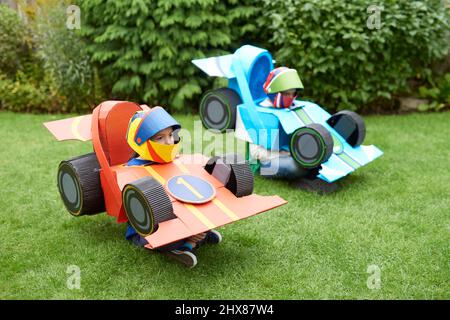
[[262, 154]]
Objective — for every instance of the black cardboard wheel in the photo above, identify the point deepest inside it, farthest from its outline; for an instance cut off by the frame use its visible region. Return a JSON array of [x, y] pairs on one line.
[[350, 126], [209, 167], [218, 109], [311, 145], [79, 185], [146, 205], [240, 180]]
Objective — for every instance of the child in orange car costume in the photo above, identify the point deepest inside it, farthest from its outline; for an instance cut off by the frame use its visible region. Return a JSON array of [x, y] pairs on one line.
[[153, 135]]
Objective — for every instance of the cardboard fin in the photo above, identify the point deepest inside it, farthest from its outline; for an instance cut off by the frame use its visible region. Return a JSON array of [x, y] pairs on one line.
[[77, 128], [216, 66], [224, 209]]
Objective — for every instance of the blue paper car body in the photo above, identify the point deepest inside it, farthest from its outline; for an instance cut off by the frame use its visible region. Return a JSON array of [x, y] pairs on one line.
[[239, 107]]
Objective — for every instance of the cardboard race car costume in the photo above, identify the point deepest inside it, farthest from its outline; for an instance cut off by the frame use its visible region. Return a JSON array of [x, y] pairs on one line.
[[164, 202], [329, 145]]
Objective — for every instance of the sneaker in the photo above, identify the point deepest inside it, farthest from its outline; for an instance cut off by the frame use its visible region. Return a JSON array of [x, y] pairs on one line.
[[186, 257], [213, 237], [138, 240]]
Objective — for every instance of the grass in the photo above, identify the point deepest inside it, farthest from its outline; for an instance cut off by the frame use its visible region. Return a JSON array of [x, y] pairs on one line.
[[393, 213]]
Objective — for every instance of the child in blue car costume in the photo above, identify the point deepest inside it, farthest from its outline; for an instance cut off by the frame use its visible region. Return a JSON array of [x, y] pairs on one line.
[[282, 87]]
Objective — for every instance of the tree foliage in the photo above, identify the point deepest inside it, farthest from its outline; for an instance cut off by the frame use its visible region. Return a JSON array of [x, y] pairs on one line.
[[344, 58], [145, 48], [15, 41]]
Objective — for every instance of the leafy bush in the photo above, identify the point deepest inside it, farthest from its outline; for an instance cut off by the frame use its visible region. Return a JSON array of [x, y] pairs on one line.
[[343, 63], [25, 94], [14, 41], [46, 69], [439, 94], [65, 58], [145, 47], [144, 50]]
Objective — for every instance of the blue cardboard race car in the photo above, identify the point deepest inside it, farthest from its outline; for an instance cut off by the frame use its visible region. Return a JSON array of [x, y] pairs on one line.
[[317, 140]]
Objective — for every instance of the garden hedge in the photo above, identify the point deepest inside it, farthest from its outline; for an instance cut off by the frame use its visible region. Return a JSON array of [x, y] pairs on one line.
[[353, 53], [145, 48]]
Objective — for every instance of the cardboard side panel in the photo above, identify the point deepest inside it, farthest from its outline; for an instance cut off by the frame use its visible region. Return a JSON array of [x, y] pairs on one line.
[[112, 204]]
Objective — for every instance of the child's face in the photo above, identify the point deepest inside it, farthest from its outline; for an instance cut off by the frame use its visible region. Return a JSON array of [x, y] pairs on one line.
[[290, 93], [164, 136]]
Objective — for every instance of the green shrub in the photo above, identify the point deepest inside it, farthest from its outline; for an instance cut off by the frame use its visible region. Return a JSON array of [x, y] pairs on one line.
[[22, 85], [145, 47], [44, 67], [14, 41], [438, 94], [343, 63], [25, 94], [65, 58]]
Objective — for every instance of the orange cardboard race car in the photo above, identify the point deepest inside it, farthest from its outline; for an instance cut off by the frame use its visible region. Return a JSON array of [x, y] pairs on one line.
[[163, 202]]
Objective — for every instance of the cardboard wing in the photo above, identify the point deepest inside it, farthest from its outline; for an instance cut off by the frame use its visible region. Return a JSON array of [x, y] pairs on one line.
[[77, 128], [216, 66], [193, 219]]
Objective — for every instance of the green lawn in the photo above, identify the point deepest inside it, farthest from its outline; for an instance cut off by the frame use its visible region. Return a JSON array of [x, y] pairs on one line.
[[393, 213]]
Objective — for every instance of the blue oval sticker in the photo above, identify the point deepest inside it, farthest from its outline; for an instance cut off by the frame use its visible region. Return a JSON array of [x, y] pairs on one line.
[[190, 189]]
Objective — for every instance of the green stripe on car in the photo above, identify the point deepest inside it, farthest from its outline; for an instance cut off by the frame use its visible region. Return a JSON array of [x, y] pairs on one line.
[[348, 160]]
